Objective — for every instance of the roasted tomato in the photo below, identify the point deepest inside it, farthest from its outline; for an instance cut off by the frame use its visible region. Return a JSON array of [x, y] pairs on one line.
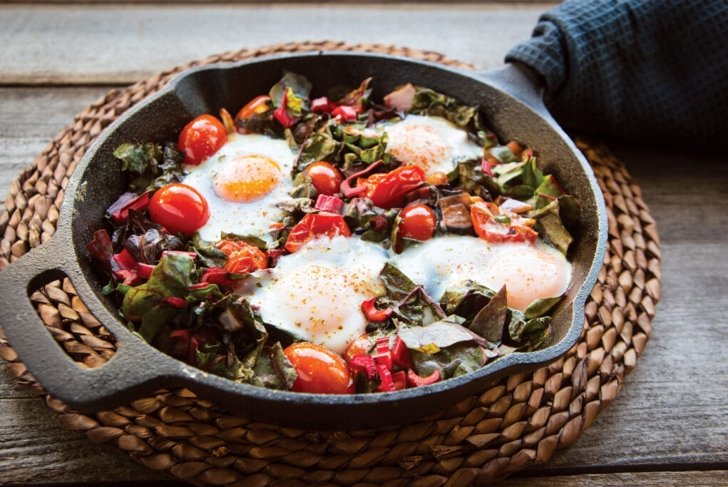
[[417, 222], [256, 106], [243, 258], [201, 138], [314, 224], [320, 370], [388, 190], [360, 346], [179, 208], [492, 226], [325, 177]]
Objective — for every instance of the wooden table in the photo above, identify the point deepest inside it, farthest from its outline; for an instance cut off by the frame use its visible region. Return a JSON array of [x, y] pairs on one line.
[[668, 427]]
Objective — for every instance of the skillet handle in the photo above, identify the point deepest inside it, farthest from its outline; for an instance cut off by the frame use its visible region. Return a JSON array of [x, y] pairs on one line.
[[521, 82], [127, 374]]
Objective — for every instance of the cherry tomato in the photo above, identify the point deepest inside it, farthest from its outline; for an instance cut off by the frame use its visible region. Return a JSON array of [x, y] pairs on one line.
[[360, 346], [388, 190], [256, 106], [314, 224], [179, 208], [485, 222], [417, 222], [320, 370], [243, 258], [201, 138], [325, 177]]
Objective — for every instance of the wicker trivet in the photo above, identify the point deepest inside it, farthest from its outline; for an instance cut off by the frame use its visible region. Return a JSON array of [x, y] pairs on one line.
[[520, 421]]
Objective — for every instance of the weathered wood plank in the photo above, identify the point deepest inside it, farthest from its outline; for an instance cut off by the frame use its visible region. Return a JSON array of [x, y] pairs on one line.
[[30, 119], [620, 479], [35, 449], [81, 43]]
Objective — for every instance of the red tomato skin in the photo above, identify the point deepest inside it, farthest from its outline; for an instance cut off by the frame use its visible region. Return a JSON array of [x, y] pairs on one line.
[[360, 346], [325, 177], [243, 258], [320, 371], [314, 224], [389, 190], [179, 208], [201, 138], [417, 222], [482, 214]]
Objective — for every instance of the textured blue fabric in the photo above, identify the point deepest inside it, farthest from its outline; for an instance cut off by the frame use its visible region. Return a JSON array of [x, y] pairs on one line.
[[646, 70]]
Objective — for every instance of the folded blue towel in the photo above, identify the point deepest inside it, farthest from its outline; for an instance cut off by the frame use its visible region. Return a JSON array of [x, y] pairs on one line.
[[650, 70]]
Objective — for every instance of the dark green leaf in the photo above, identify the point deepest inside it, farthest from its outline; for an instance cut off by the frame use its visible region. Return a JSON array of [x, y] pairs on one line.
[[437, 335], [467, 299], [299, 85], [316, 147], [491, 319], [540, 307], [453, 361], [138, 158]]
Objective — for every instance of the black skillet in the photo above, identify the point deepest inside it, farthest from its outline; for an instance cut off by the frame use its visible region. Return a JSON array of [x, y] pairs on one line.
[[513, 107]]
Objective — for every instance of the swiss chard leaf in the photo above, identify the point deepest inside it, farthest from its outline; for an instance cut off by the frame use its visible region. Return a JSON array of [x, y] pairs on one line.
[[453, 361], [435, 336], [466, 299], [491, 319], [145, 303], [540, 307]]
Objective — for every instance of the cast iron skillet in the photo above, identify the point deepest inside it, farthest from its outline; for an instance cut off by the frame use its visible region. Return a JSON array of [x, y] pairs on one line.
[[513, 107]]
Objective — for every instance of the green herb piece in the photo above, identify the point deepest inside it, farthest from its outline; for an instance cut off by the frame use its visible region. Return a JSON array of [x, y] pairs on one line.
[[491, 319]]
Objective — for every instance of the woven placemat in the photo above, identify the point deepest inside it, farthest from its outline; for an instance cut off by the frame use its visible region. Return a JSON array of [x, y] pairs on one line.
[[520, 421]]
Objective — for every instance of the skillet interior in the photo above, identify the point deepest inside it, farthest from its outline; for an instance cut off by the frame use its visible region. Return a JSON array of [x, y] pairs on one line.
[[229, 86]]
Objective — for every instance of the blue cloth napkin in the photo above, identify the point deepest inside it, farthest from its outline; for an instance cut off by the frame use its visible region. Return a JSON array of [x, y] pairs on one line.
[[650, 70]]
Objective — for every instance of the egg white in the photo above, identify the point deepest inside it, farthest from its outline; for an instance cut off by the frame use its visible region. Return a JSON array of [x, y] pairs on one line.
[[432, 143], [529, 271], [316, 292], [242, 218]]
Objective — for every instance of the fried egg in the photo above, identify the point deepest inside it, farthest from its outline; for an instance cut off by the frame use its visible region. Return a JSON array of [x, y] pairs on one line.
[[316, 293], [243, 182], [529, 271], [433, 143]]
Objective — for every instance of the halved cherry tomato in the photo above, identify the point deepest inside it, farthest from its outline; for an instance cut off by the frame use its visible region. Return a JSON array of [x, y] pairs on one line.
[[320, 370], [360, 346], [325, 177], [243, 258], [201, 138], [314, 224], [388, 190], [179, 208], [417, 221], [485, 222]]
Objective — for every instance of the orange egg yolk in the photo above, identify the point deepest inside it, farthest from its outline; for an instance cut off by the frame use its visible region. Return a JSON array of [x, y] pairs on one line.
[[246, 178]]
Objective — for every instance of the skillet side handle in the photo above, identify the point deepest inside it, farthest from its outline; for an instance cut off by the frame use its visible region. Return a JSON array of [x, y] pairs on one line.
[[521, 82], [126, 374]]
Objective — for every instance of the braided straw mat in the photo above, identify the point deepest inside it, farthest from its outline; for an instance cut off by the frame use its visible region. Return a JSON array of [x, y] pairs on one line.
[[522, 420]]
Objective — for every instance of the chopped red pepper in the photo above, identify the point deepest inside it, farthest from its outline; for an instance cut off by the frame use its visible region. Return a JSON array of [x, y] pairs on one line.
[[144, 270], [128, 277], [417, 381], [350, 192], [124, 260], [175, 302], [382, 345], [119, 210], [363, 364], [385, 376], [401, 355], [346, 112], [399, 379], [384, 358], [329, 203], [216, 275], [322, 105], [372, 314], [487, 167], [281, 114]]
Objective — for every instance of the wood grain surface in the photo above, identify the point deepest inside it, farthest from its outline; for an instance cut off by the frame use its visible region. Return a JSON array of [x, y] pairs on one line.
[[667, 427]]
